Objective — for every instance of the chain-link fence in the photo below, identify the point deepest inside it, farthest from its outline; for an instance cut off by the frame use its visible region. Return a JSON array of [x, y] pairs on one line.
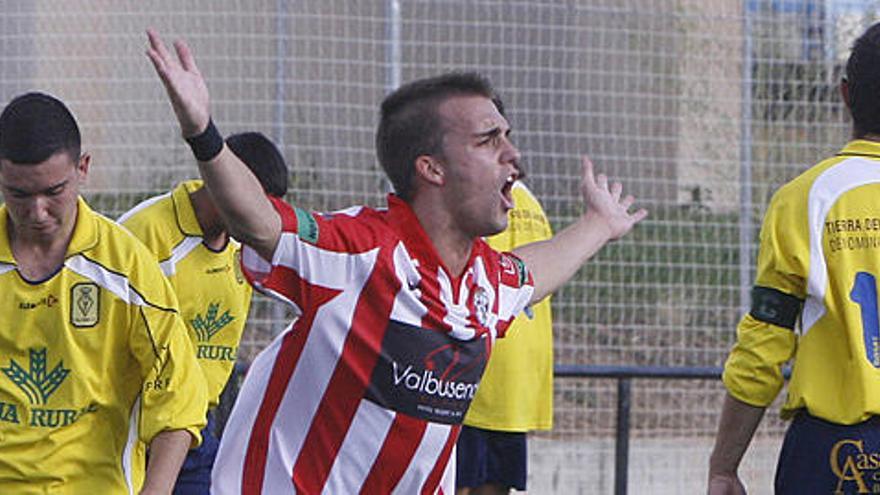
[[702, 108]]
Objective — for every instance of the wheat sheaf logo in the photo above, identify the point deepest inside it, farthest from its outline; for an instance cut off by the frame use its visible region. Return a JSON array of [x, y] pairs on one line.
[[207, 326], [36, 382]]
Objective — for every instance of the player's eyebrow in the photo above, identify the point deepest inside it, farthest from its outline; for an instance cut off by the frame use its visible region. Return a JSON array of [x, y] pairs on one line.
[[494, 131], [47, 190]]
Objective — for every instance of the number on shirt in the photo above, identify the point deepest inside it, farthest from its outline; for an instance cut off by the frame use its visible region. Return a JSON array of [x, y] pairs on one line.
[[864, 293]]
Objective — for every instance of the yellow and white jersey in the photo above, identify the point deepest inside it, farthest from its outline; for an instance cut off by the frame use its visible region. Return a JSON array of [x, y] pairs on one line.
[[820, 244], [523, 359], [214, 296], [93, 359]]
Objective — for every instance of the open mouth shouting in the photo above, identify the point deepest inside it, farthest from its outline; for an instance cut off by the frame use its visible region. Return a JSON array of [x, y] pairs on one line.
[[507, 192]]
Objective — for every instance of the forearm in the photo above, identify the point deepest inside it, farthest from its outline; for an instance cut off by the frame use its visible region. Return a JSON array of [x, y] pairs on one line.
[[240, 199], [238, 195], [554, 261], [167, 452], [736, 427]]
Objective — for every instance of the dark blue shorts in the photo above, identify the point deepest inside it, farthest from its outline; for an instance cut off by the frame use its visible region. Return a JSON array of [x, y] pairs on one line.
[[822, 457], [195, 475], [485, 456]]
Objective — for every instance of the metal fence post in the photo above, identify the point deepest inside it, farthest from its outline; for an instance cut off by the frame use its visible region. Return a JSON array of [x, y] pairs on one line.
[[394, 25], [745, 167], [621, 448]]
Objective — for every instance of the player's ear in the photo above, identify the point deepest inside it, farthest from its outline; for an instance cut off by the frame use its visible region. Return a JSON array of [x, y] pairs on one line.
[[430, 170], [844, 92], [82, 165]]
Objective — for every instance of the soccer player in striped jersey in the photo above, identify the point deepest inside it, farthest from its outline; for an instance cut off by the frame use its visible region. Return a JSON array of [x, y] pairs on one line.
[[398, 307], [815, 303], [183, 229], [93, 352]]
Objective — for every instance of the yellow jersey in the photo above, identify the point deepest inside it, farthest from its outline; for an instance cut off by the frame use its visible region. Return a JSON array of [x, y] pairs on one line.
[[213, 294], [93, 359], [820, 246], [516, 391]]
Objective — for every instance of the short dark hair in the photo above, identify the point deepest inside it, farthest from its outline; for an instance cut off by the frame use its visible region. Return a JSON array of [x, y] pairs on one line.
[[409, 125], [36, 126], [863, 78], [263, 158]]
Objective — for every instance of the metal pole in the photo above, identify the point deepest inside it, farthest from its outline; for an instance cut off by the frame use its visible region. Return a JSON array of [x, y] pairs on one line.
[[745, 169], [395, 54], [393, 23], [277, 311], [624, 371], [621, 449], [280, 65]]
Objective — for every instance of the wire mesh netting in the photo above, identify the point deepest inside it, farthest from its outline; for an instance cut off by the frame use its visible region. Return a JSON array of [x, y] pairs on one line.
[[701, 107]]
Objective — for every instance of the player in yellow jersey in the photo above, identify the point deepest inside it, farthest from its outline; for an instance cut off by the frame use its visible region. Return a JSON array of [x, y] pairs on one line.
[[184, 231], [815, 303], [93, 352], [491, 449]]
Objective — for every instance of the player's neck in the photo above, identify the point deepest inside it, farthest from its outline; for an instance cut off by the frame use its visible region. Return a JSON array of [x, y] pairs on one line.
[[454, 253], [213, 229], [216, 241], [452, 245], [37, 256], [214, 233], [869, 137]]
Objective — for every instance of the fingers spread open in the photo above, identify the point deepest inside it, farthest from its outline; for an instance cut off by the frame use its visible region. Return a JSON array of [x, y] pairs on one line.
[[616, 190], [639, 215], [158, 47], [185, 56], [587, 178], [157, 61]]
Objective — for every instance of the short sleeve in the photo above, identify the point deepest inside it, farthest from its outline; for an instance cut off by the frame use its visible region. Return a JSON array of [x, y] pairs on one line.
[[174, 395], [753, 371], [515, 289]]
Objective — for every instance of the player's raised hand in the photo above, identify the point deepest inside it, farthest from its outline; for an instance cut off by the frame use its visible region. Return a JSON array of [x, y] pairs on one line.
[[185, 85], [604, 202]]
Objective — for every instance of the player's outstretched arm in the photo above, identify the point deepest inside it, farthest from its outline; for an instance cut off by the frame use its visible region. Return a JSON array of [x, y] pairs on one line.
[[736, 427], [607, 217], [239, 197]]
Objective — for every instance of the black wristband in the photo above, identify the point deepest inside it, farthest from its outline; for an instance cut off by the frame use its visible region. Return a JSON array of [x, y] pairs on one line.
[[206, 145]]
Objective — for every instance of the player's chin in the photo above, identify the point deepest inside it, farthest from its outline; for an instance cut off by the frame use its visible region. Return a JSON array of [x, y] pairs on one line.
[[498, 226]]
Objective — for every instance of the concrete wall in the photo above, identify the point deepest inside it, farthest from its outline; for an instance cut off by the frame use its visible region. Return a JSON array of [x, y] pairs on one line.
[[670, 466]]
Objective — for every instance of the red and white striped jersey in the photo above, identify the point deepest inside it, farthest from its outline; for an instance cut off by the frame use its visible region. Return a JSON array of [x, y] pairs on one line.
[[366, 390]]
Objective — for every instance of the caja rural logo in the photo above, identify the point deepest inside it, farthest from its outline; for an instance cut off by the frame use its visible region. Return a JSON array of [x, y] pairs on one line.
[[38, 384], [206, 327]]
